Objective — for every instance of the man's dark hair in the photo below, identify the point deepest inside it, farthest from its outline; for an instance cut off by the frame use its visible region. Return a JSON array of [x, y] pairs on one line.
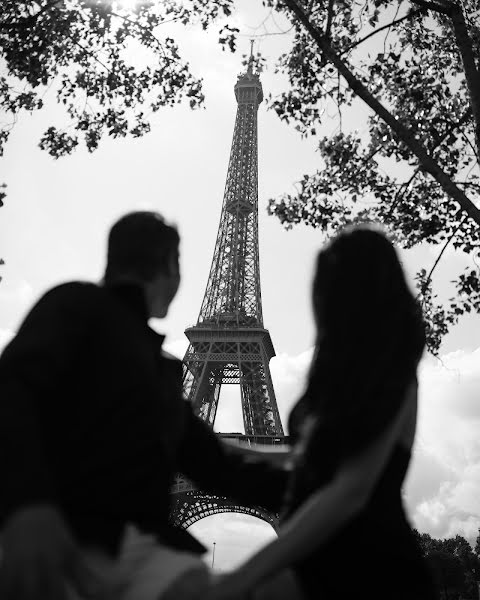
[[139, 245]]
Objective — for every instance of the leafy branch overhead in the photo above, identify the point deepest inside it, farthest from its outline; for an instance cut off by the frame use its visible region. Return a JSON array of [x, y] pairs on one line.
[[83, 47], [413, 166], [414, 65]]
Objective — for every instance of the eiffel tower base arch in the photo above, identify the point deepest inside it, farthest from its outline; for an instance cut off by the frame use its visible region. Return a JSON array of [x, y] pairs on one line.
[[189, 504], [192, 506]]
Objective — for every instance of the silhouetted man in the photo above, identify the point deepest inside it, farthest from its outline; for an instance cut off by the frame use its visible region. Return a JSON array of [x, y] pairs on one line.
[[93, 426]]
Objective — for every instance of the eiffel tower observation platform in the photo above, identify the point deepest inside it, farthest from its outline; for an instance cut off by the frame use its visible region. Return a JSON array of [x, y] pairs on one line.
[[220, 344], [229, 343]]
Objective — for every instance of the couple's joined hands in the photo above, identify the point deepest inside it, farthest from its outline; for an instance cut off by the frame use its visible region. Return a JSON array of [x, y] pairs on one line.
[[40, 559]]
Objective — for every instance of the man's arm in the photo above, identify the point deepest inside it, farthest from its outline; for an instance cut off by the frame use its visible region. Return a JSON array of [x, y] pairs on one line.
[[224, 469]]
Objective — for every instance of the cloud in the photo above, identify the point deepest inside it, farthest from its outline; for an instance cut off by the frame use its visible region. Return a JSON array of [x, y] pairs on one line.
[[443, 486]]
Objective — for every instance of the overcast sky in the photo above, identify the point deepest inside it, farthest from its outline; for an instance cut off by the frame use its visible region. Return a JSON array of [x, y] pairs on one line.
[[57, 213]]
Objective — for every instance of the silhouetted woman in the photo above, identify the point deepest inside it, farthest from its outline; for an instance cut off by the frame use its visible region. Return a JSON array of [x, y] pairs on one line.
[[346, 534]]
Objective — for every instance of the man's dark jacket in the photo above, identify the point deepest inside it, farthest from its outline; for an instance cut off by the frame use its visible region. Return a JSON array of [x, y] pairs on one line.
[[92, 420]]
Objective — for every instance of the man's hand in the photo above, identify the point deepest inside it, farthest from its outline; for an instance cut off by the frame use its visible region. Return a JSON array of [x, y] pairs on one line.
[[39, 557]]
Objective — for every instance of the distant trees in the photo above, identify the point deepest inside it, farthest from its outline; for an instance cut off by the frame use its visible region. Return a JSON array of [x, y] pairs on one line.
[[455, 566]]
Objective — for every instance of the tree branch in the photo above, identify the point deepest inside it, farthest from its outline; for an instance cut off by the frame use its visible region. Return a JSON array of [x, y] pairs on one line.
[[434, 6], [404, 134], [402, 190], [328, 28], [428, 279], [409, 15], [472, 74], [92, 55], [142, 27], [146, 30], [468, 141]]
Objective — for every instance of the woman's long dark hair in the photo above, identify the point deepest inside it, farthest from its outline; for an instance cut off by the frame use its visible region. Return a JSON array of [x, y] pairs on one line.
[[370, 337]]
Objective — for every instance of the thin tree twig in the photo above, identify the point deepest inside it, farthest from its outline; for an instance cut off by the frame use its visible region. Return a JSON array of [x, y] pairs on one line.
[[262, 24], [149, 33], [433, 6], [328, 28], [92, 54], [264, 35], [469, 142], [409, 15], [389, 29], [427, 281], [146, 29], [402, 190]]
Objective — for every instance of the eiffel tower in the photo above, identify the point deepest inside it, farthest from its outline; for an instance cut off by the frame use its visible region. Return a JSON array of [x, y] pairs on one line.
[[229, 344]]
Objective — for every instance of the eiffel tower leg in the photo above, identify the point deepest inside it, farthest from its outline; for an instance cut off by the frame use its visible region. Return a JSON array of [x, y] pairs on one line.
[[193, 368], [273, 401], [210, 402], [204, 390], [260, 413]]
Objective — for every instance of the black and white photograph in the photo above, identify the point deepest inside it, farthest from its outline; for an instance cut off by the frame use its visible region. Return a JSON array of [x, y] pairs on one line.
[[239, 299]]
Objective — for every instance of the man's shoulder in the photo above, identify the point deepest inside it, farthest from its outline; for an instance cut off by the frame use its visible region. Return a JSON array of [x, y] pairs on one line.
[[68, 307], [74, 287], [72, 296]]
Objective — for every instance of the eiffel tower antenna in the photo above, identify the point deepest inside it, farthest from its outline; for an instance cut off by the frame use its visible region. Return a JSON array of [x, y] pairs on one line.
[[250, 60], [229, 344]]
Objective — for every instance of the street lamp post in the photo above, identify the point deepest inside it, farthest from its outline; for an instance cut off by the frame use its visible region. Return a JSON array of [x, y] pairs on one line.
[[213, 555]]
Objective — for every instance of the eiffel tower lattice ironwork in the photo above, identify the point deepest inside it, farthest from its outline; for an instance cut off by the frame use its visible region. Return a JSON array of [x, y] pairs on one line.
[[229, 344]]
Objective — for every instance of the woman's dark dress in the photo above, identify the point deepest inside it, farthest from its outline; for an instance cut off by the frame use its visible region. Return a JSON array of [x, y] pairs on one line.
[[375, 555]]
